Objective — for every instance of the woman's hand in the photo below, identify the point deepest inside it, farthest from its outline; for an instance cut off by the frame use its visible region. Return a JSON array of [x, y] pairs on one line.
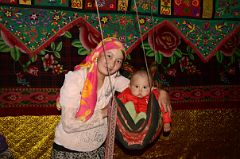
[[58, 105]]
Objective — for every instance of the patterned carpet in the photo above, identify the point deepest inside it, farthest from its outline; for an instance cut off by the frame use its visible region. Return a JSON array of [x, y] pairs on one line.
[[196, 134]]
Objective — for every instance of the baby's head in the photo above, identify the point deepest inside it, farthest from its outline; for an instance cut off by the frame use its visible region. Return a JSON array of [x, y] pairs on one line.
[[140, 84]]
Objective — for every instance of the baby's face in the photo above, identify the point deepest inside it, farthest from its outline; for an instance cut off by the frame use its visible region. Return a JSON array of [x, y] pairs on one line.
[[139, 86]]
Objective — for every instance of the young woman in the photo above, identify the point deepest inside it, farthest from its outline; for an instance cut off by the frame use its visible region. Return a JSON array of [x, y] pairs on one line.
[[84, 97]]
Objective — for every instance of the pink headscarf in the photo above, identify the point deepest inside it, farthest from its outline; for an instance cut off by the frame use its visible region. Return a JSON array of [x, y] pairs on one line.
[[89, 92]]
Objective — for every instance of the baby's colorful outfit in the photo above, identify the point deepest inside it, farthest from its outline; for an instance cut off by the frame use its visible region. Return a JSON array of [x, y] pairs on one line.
[[140, 104]]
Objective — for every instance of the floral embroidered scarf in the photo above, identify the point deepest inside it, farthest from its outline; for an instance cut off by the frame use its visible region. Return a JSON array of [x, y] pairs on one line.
[[89, 92]]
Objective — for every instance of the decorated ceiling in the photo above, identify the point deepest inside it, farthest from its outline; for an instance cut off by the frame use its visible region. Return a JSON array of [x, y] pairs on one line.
[[205, 25]]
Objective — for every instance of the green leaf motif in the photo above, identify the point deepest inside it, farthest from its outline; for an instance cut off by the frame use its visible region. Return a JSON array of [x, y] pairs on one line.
[[232, 59], [53, 46], [146, 46], [57, 54], [81, 49], [25, 66], [182, 69], [172, 59], [2, 42], [45, 69], [67, 34], [190, 50], [191, 56], [59, 47], [82, 52], [178, 53], [158, 58], [150, 53], [42, 52], [77, 43], [4, 48], [33, 58], [219, 56], [128, 57], [15, 53]]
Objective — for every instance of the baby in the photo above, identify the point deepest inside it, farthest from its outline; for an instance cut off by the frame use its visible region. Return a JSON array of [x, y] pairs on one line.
[[136, 97]]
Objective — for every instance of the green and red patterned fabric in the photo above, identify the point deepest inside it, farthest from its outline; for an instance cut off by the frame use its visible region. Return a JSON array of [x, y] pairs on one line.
[[33, 27], [41, 101], [136, 135]]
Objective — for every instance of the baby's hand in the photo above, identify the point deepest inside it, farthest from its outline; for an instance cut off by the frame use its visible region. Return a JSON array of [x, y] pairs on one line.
[[166, 127]]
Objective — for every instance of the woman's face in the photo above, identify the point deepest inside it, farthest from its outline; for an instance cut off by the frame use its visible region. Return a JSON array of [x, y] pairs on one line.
[[111, 63]]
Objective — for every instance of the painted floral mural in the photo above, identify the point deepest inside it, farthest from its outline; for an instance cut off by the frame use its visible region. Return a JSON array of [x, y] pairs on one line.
[[169, 57], [164, 40]]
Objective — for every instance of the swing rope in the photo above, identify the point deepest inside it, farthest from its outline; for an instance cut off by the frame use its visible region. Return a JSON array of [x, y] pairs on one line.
[[136, 135], [112, 110], [102, 37], [141, 37]]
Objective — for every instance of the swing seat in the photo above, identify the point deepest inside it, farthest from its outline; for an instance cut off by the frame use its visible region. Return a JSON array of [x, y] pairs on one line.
[[137, 133]]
